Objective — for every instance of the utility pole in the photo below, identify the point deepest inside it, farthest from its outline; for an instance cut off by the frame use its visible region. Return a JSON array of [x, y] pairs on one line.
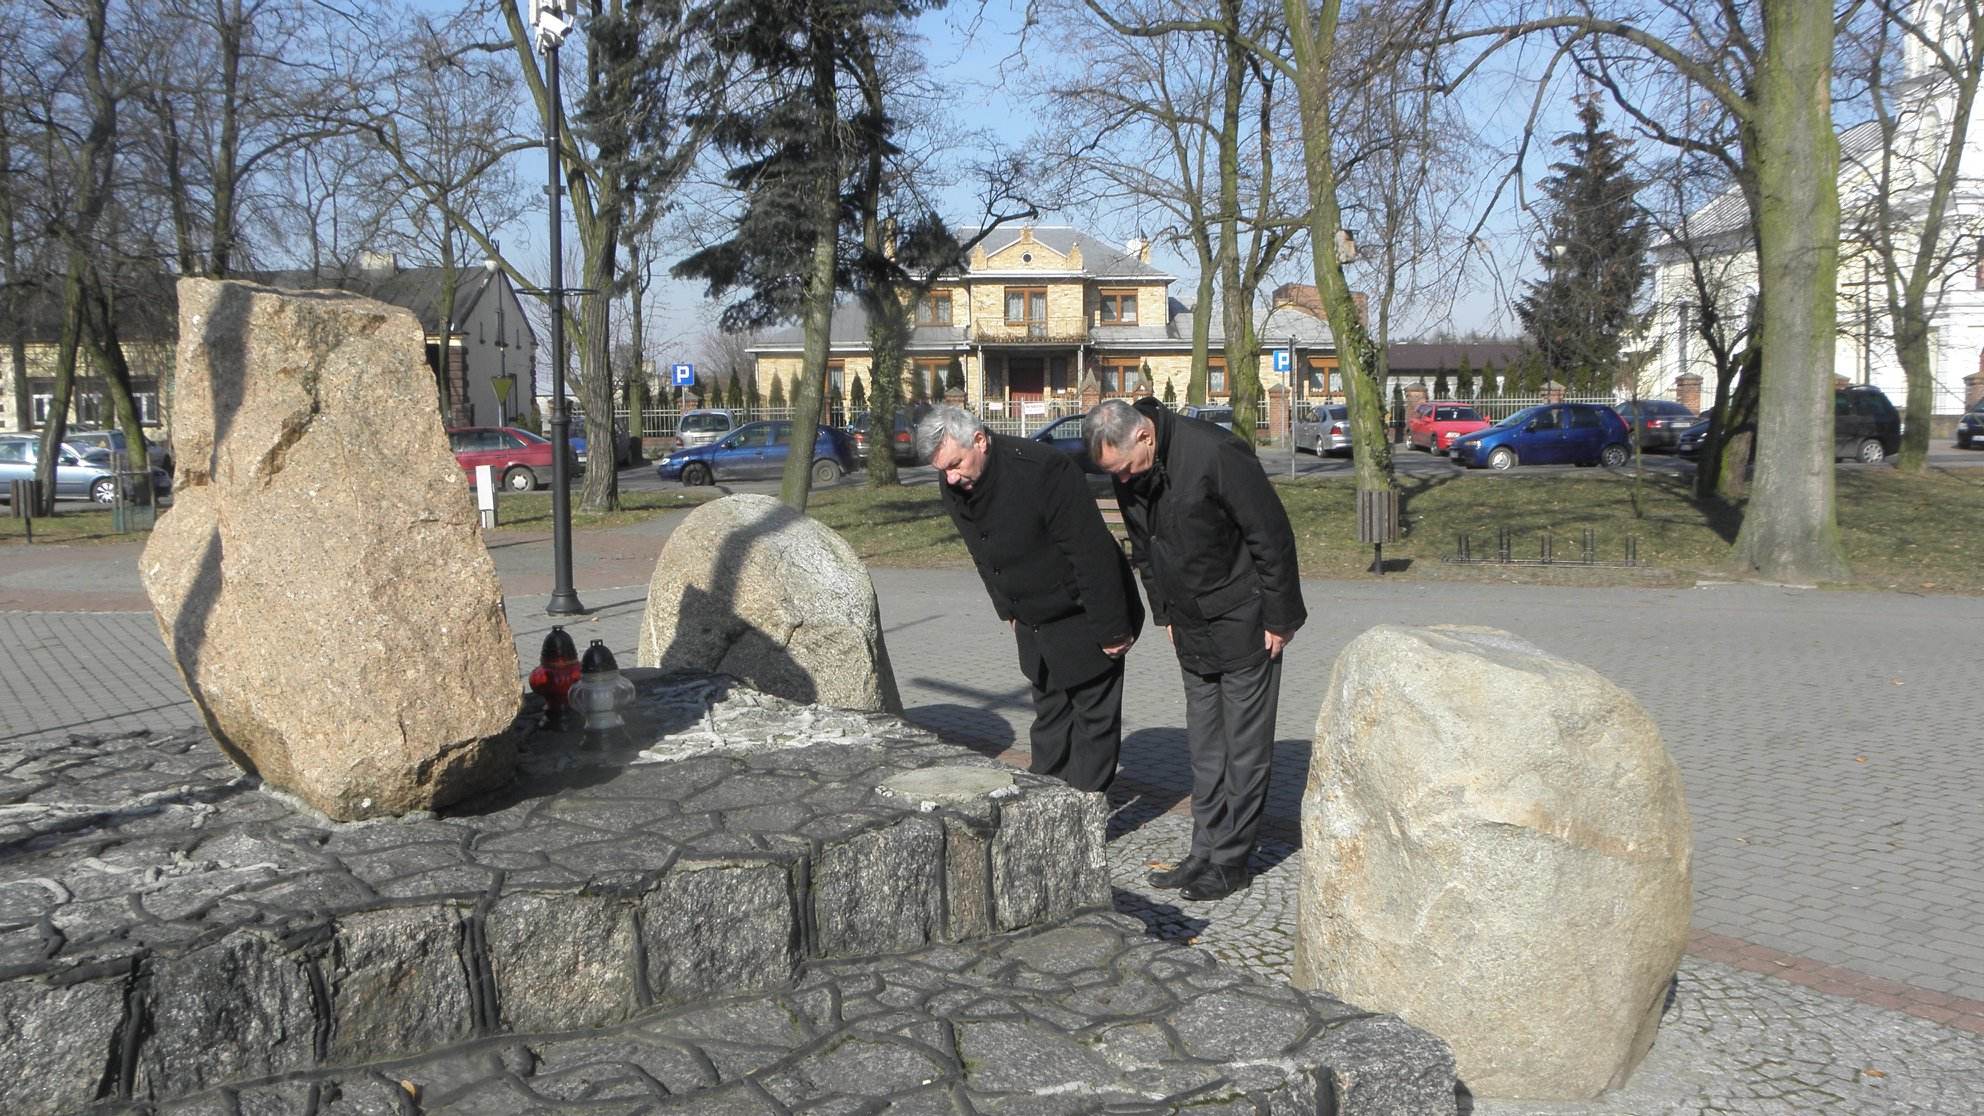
[[552, 19]]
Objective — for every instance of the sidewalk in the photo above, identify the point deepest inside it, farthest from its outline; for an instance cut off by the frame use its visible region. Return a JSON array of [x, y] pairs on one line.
[[1824, 739]]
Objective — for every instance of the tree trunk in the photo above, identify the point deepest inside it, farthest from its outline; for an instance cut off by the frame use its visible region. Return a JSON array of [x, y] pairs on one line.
[[1371, 449], [1243, 349], [1195, 388], [817, 304], [1911, 345], [887, 327], [67, 351], [100, 328], [1789, 530], [637, 336]]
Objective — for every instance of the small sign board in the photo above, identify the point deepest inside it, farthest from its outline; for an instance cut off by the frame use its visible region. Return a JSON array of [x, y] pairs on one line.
[[1283, 360], [682, 375], [1033, 407]]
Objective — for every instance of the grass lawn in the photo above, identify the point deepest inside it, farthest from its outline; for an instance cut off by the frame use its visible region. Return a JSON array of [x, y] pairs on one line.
[[1900, 532]]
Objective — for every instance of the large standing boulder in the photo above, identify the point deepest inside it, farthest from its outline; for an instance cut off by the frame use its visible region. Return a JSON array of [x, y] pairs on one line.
[[1495, 847], [746, 586], [320, 580]]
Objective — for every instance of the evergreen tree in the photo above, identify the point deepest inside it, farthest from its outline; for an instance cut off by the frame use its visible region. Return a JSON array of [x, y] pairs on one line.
[[1440, 385], [752, 401], [1465, 388], [796, 145], [1170, 390], [954, 378], [857, 395], [919, 387], [1594, 260], [778, 392]]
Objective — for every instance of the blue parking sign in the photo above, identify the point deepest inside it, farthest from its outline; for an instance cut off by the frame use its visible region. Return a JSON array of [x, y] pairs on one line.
[[682, 375], [1283, 360]]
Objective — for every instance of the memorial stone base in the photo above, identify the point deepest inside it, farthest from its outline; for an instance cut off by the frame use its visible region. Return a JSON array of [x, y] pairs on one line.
[[740, 905]]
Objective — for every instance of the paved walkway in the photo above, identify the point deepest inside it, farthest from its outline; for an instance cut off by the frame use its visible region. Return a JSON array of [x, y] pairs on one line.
[[1826, 741]]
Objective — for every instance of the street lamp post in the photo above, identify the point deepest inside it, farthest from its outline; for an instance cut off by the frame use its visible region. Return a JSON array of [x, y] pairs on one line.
[[552, 19]]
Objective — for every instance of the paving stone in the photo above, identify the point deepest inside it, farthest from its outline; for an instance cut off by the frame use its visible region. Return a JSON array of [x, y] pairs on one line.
[[787, 1051], [603, 881], [56, 1042]]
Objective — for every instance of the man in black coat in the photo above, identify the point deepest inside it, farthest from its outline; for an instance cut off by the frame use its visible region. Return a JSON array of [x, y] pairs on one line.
[[1212, 543], [1055, 576]]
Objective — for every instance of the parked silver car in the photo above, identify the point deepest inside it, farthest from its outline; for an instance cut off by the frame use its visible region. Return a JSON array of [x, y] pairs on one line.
[[78, 474], [700, 428], [1322, 428]]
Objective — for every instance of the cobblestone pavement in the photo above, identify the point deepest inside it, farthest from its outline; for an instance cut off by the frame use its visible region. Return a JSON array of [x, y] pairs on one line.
[[1087, 1017], [1824, 739]]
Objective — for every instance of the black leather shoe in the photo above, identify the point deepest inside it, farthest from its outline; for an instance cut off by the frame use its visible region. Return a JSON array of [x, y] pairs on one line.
[[1179, 874], [1217, 882]]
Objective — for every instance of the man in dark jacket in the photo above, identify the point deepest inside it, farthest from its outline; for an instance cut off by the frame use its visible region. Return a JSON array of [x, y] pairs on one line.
[[1212, 543], [1055, 576]]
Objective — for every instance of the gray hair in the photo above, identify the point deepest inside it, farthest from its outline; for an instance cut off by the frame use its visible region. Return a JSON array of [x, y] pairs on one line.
[[1111, 423], [945, 421]]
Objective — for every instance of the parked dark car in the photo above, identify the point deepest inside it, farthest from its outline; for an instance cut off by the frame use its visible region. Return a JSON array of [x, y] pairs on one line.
[[1865, 426], [756, 451], [1554, 434], [1657, 422], [1688, 443], [904, 440], [1970, 428], [519, 459], [113, 441], [623, 444], [1065, 434], [1219, 414]]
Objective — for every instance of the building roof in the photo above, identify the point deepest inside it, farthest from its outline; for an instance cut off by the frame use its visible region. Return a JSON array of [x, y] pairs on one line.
[[413, 288], [147, 310], [1728, 212], [1100, 259], [1415, 358], [849, 331]]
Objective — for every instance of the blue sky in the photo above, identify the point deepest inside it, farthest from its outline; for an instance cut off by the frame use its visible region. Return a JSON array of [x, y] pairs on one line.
[[972, 51]]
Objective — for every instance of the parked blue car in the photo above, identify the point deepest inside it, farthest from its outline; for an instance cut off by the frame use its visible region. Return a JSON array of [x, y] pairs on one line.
[[755, 451], [1554, 434]]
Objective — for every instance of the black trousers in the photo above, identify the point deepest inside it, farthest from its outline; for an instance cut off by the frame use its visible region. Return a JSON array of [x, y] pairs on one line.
[[1078, 731], [1229, 726]]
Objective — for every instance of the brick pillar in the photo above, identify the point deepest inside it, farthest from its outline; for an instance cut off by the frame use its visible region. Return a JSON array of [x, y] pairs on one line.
[[1841, 383], [954, 396], [1415, 394], [1277, 410], [1688, 391], [1553, 392], [1973, 390]]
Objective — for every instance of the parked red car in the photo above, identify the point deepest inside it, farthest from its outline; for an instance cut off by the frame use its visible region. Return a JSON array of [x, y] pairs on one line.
[[1434, 426], [520, 459]]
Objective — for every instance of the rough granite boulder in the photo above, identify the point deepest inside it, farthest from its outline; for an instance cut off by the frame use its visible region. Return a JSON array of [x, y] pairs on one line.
[[746, 586], [1494, 847], [321, 581]]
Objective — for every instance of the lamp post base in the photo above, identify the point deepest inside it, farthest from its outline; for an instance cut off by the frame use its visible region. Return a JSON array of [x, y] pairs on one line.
[[564, 602]]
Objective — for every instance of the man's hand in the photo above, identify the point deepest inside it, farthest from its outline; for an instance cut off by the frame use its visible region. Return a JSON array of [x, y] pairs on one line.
[[1276, 641], [1118, 650]]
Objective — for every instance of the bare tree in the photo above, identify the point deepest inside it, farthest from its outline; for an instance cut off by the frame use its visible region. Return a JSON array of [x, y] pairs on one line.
[[1904, 226]]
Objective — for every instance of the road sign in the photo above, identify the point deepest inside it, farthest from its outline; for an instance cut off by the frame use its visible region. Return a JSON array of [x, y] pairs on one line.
[[1283, 360], [682, 375]]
